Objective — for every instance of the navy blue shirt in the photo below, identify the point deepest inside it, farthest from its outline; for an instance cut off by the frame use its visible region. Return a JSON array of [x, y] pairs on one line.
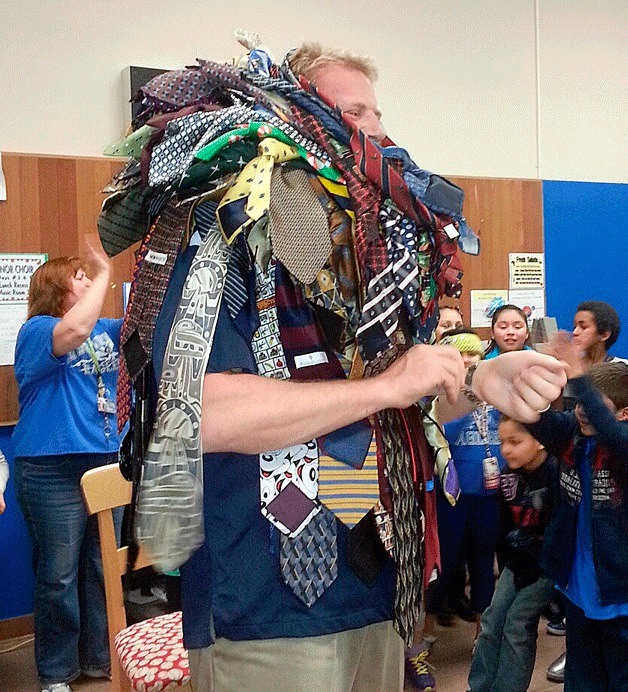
[[234, 579]]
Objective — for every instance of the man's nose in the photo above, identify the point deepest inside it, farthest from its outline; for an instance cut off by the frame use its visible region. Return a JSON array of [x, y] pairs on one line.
[[372, 126]]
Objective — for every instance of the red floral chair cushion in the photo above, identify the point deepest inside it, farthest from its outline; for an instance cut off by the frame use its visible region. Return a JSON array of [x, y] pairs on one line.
[[151, 654]]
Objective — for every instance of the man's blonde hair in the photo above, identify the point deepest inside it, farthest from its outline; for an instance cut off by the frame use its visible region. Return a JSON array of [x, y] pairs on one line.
[[310, 58]]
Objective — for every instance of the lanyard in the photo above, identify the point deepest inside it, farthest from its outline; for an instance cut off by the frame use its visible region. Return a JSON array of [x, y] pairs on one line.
[[480, 418], [101, 392]]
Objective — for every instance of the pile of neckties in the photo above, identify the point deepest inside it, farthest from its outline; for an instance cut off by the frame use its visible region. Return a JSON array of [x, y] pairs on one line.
[[365, 241]]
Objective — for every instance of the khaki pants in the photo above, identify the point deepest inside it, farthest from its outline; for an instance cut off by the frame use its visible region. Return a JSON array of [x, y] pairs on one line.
[[369, 659]]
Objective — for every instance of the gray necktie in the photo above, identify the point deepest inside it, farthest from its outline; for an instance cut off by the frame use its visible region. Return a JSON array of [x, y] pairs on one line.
[[170, 508], [299, 230]]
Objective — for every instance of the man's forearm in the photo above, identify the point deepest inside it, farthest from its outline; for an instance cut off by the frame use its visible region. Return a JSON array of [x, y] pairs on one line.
[[252, 414]]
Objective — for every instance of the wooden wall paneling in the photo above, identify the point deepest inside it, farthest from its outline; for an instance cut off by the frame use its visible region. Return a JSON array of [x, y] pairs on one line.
[[507, 215], [52, 202]]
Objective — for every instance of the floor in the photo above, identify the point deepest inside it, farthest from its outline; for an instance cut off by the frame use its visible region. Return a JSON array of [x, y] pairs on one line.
[[450, 656]]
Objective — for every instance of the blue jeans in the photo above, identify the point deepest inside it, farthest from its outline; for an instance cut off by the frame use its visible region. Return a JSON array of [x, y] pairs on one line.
[[597, 652], [506, 648], [467, 530], [70, 614]]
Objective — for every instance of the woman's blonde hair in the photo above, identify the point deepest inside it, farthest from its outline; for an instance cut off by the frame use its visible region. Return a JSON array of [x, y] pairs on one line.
[[310, 58]]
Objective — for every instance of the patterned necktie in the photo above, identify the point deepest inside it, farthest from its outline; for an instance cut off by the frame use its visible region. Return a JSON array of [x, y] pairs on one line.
[[170, 509], [289, 477], [406, 521], [248, 200], [154, 265], [299, 232]]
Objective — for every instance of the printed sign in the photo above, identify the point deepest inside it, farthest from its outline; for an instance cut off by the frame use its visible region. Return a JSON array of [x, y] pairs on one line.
[[15, 278], [526, 270]]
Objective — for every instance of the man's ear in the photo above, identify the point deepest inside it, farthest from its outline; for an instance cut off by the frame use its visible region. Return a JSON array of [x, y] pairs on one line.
[[622, 414], [605, 335]]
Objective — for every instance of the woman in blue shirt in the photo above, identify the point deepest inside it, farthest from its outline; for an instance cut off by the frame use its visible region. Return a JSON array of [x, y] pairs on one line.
[[66, 366]]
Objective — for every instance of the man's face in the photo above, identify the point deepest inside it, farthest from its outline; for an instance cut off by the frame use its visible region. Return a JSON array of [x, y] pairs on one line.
[[353, 93]]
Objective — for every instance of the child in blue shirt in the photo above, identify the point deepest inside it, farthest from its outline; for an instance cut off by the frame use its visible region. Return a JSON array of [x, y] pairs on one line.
[[586, 543]]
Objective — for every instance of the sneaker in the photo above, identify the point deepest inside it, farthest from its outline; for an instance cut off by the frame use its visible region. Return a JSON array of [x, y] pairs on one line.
[[57, 687], [417, 669], [446, 616], [462, 608], [556, 670], [556, 627]]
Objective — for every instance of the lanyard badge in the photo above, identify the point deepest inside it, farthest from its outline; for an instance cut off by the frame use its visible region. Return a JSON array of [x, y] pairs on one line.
[[104, 404], [490, 465]]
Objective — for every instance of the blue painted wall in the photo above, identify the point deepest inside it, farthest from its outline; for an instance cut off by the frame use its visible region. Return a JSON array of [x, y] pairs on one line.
[[16, 574], [586, 250]]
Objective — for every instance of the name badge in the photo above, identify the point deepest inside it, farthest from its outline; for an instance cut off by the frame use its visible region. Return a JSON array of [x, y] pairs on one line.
[[309, 359], [491, 473], [106, 405]]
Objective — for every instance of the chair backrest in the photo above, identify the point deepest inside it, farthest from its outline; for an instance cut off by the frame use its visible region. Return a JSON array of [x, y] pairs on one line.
[[105, 489]]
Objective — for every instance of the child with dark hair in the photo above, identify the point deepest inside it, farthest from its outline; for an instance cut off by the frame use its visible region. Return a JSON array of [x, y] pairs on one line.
[[595, 330], [586, 543], [509, 331], [506, 648]]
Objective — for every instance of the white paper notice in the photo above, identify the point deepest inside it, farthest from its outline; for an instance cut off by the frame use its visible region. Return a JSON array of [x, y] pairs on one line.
[[526, 270], [15, 279], [530, 300], [12, 317], [483, 305], [3, 183]]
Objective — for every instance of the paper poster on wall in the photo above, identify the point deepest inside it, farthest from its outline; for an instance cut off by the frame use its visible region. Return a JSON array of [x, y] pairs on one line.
[[526, 270], [15, 277], [530, 300], [12, 317], [483, 305]]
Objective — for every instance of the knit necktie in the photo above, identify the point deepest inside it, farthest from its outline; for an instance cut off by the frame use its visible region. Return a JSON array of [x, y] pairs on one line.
[[299, 231], [152, 272]]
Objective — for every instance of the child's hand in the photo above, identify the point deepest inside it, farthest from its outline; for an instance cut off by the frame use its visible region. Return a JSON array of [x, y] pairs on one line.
[[563, 348], [2, 503]]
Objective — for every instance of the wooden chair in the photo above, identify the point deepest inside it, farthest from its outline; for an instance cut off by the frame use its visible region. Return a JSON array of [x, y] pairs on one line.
[[148, 655]]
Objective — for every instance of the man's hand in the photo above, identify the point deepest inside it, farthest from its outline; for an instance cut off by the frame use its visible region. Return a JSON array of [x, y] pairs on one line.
[[423, 371], [521, 384], [563, 348]]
